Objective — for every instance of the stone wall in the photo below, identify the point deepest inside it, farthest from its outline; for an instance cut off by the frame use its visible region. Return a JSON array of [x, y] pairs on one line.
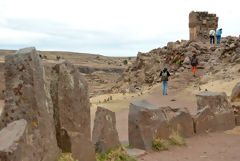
[[200, 23]]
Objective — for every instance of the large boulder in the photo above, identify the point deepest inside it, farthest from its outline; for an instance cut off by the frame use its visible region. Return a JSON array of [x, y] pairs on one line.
[[69, 92], [13, 142], [217, 102], [219, 106], [27, 97], [145, 123], [205, 121], [105, 135], [235, 96], [180, 120]]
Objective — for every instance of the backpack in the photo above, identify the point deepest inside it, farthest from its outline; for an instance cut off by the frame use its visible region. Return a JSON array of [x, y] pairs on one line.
[[164, 76], [194, 61]]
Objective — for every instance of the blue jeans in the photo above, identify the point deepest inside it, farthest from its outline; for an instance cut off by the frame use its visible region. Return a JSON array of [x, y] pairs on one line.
[[164, 87], [218, 39]]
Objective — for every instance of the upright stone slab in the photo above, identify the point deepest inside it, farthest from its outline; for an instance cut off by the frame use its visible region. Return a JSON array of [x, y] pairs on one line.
[[180, 120], [13, 143], [235, 96], [105, 135], [82, 148], [145, 123], [205, 121], [69, 92], [219, 105], [28, 98]]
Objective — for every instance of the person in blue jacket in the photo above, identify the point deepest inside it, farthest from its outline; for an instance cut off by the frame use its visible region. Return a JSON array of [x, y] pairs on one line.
[[219, 33]]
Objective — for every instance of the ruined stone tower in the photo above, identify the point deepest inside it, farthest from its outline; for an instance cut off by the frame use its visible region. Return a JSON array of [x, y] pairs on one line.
[[200, 23]]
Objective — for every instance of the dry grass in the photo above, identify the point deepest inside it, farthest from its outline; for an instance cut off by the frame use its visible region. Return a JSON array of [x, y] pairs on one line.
[[66, 157], [116, 154], [176, 139], [159, 144]]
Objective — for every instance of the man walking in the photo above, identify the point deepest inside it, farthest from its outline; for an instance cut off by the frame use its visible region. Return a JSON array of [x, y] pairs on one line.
[[212, 36], [219, 33], [194, 63], [164, 78]]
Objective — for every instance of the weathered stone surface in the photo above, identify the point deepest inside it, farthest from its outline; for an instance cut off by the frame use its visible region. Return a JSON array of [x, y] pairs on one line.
[[200, 23], [235, 96], [13, 142], [217, 102], [237, 120], [180, 120], [82, 148], [225, 120], [145, 122], [205, 121], [219, 106], [105, 135], [69, 92], [28, 98]]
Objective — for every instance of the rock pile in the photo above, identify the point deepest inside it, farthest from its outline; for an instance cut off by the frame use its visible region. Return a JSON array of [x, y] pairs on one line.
[[175, 56]]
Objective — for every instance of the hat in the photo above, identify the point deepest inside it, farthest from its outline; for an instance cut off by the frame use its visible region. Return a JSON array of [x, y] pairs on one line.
[[165, 69]]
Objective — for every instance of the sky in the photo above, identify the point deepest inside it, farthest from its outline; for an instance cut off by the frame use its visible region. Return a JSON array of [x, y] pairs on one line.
[[106, 27]]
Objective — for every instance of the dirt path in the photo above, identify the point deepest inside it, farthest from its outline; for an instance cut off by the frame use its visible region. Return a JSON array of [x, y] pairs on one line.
[[217, 146], [209, 147]]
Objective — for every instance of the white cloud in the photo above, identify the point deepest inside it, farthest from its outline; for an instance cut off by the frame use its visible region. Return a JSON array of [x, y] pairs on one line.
[[109, 27]]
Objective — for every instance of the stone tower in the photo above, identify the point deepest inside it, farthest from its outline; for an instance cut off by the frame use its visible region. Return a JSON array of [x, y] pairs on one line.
[[200, 23]]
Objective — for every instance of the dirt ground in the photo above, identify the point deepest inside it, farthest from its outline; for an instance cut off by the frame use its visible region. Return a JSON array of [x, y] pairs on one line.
[[218, 146]]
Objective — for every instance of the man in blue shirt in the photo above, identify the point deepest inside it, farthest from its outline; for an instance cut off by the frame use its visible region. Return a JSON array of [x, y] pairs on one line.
[[219, 33]]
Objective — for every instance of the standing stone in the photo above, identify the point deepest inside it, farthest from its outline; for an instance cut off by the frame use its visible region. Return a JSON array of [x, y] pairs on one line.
[[105, 135], [145, 123], [219, 105], [13, 143], [69, 92], [180, 120], [205, 121], [28, 98], [82, 148], [235, 96]]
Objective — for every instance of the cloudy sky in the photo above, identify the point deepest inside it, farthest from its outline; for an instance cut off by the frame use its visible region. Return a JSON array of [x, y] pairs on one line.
[[107, 27]]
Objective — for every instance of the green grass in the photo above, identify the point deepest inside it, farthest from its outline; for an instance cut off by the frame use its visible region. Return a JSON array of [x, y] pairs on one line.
[[116, 154]]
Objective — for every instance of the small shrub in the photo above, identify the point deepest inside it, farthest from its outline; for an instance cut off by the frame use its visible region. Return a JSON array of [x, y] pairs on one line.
[[116, 154], [66, 157], [176, 139], [159, 144], [44, 56], [40, 56], [179, 63], [58, 58], [125, 62]]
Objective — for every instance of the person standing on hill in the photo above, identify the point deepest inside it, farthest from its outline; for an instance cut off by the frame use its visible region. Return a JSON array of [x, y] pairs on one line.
[[194, 63], [219, 33], [164, 78], [212, 36]]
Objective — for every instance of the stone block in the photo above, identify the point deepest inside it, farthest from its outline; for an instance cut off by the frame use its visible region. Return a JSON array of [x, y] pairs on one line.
[[105, 135]]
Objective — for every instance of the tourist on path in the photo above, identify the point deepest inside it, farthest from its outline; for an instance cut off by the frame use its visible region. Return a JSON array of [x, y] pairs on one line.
[[212, 36], [194, 63], [164, 78], [219, 33]]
